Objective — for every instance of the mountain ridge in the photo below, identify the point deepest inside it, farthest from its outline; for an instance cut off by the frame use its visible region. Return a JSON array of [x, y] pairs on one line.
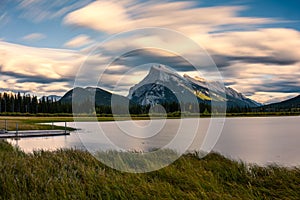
[[151, 90], [102, 97], [292, 103], [164, 85]]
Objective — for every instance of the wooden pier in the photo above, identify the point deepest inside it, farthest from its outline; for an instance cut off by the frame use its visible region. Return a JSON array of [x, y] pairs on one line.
[[4, 134], [32, 133]]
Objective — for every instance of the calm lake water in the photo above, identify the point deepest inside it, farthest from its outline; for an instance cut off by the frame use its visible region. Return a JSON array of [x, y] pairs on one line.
[[260, 140]]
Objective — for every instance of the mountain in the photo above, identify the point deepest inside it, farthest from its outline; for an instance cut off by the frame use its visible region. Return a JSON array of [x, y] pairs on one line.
[[52, 98], [293, 103], [102, 97], [160, 85], [163, 84]]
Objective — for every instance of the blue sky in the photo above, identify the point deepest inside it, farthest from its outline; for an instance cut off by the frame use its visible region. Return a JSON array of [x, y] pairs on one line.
[[19, 23], [57, 34], [254, 43]]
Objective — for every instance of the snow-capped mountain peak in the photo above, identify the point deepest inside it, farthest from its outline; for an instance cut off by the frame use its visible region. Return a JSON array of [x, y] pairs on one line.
[[163, 84], [159, 74], [163, 68]]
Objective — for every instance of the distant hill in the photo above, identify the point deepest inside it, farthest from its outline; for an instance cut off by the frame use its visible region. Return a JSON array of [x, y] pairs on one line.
[[287, 105], [102, 97]]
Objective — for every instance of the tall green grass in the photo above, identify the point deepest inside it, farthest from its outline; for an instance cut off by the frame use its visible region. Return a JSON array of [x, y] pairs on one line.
[[75, 174]]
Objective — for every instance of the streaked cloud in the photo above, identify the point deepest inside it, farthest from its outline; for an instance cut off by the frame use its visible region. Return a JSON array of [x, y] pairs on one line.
[[29, 65], [42, 70], [38, 11], [180, 15], [34, 37], [4, 19], [261, 62], [263, 82], [39, 89], [78, 41], [273, 97], [268, 45]]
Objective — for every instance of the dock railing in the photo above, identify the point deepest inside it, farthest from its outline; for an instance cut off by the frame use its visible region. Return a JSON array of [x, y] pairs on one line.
[[5, 133]]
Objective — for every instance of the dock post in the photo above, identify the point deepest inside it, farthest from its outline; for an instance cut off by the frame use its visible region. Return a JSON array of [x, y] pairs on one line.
[[17, 129], [65, 127], [5, 122], [52, 126]]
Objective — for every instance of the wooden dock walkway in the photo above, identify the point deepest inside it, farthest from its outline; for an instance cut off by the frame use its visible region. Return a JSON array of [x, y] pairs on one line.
[[32, 133]]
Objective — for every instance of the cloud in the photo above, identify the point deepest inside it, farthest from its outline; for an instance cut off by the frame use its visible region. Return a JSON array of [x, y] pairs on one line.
[[116, 16], [39, 71], [273, 97], [4, 19], [268, 45], [100, 15], [78, 41], [262, 82], [144, 56], [43, 69], [259, 62], [39, 64], [225, 61], [253, 65], [38, 11], [34, 37], [10, 83]]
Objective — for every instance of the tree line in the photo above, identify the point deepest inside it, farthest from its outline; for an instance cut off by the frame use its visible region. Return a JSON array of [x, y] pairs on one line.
[[26, 103]]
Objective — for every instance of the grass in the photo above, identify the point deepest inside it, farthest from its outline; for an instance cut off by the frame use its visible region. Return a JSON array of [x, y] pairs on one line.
[[74, 174], [32, 123], [177, 114]]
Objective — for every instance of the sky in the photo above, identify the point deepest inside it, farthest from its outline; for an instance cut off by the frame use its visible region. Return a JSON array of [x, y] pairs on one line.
[[44, 44]]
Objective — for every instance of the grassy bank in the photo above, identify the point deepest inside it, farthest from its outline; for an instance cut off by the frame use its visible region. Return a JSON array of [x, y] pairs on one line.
[[176, 114], [32, 122], [73, 174]]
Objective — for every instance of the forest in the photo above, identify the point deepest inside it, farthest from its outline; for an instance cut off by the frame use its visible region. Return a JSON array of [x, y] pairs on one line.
[[26, 103]]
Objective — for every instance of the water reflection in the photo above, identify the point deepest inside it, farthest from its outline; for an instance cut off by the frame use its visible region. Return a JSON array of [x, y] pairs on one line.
[[255, 140]]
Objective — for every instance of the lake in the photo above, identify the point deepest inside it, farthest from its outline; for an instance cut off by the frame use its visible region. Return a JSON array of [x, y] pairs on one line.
[[260, 140]]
